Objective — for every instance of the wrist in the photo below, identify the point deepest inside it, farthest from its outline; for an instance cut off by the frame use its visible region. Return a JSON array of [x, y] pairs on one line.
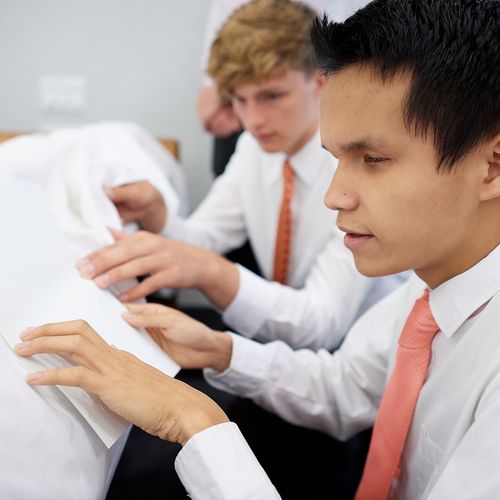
[[207, 414], [222, 352], [219, 281]]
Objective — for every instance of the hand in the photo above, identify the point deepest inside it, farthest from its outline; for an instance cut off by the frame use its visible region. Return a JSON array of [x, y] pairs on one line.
[[140, 202], [224, 123], [188, 342], [144, 396], [166, 263], [216, 117]]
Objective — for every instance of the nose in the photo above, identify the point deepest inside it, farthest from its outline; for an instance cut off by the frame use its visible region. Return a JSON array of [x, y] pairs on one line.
[[254, 117], [341, 194]]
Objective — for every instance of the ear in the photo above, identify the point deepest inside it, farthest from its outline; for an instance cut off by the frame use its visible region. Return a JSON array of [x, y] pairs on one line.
[[491, 183], [319, 80]]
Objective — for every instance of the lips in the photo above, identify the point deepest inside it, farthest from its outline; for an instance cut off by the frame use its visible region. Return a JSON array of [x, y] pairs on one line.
[[354, 240], [265, 137]]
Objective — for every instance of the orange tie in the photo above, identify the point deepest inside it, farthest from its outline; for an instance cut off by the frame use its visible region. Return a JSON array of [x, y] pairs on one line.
[[284, 232], [398, 402]]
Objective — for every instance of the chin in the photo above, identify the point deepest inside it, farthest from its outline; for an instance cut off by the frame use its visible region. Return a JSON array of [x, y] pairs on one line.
[[271, 147], [377, 268]]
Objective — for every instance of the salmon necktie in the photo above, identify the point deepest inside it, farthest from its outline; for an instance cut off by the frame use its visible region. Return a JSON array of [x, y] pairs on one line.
[[398, 402], [284, 231]]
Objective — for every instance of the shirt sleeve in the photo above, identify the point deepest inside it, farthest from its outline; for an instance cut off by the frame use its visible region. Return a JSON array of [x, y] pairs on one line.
[[218, 223], [315, 316], [218, 464], [336, 393]]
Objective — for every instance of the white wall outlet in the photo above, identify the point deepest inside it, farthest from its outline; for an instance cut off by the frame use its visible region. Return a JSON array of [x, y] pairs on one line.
[[63, 95]]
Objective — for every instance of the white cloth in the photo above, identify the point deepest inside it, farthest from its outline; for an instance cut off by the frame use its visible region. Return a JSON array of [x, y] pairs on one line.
[[74, 164], [452, 449], [47, 448], [326, 293], [220, 10]]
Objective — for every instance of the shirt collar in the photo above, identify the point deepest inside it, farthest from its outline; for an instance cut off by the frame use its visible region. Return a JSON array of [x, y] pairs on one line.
[[454, 301], [306, 162]]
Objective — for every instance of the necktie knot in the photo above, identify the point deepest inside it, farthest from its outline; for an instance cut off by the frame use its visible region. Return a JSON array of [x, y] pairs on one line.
[[420, 327], [287, 172]]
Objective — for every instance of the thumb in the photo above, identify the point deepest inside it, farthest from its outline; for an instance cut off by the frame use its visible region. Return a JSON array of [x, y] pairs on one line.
[[146, 308], [144, 320], [117, 234], [118, 194]]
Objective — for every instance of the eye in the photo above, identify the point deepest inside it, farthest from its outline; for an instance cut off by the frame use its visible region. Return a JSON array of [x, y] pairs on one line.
[[238, 99], [273, 96], [374, 159]]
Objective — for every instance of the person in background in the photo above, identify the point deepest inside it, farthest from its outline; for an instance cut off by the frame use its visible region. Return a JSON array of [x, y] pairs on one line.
[[217, 116], [271, 193], [411, 108]]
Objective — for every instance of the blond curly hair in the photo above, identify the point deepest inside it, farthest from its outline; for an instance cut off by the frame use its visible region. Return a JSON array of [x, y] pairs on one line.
[[261, 40]]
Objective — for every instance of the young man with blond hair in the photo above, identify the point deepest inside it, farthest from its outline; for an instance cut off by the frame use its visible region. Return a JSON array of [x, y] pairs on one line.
[[271, 193]]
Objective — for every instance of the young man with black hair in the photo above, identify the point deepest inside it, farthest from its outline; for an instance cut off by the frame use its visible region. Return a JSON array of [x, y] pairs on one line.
[[412, 110]]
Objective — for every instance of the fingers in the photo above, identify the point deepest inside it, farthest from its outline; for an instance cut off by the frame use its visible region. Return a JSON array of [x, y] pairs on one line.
[[72, 338], [78, 348], [117, 234], [150, 320], [125, 193], [126, 248], [109, 257], [138, 266], [150, 308], [62, 328], [75, 376]]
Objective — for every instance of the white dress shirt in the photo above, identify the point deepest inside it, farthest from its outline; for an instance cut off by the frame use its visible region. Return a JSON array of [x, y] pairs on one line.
[[452, 449], [326, 293], [47, 449]]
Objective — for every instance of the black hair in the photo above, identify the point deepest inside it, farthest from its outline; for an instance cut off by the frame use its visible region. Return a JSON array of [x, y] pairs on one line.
[[451, 50]]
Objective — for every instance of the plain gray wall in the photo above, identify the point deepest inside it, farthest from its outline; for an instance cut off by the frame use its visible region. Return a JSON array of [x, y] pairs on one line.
[[141, 59]]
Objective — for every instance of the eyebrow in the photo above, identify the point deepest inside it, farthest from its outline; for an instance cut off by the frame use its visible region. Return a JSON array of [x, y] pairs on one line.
[[361, 145]]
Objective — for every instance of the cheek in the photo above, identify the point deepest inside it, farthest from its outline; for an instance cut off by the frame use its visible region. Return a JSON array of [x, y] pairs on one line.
[[405, 220]]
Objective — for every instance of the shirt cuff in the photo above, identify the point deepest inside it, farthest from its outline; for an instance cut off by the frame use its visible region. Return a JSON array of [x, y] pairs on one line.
[[253, 304], [251, 364], [218, 464], [173, 226]]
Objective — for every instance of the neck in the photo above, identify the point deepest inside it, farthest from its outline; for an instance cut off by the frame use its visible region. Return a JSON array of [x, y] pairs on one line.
[[304, 139], [481, 239]]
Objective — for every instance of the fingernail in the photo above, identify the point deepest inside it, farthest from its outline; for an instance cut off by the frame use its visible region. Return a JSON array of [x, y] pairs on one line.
[[82, 262], [123, 297], [33, 377], [22, 347], [102, 280], [87, 271], [27, 333]]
